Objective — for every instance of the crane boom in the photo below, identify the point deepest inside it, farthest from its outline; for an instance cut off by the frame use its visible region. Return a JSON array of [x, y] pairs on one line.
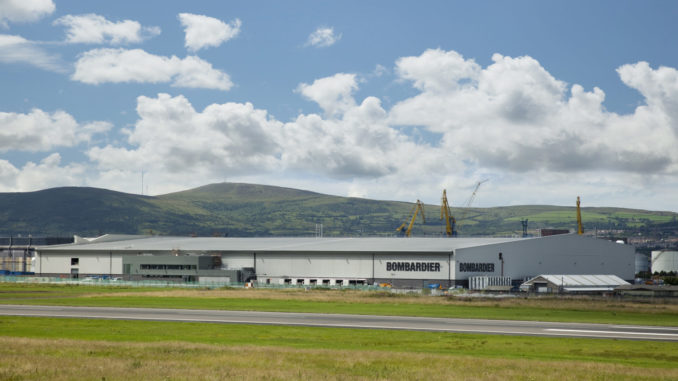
[[580, 227], [450, 222], [470, 201], [419, 206]]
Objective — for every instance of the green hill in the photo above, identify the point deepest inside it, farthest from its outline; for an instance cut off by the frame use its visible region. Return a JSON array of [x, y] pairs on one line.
[[258, 210]]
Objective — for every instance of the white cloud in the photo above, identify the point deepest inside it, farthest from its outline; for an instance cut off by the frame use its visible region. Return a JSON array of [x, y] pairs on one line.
[[43, 131], [95, 29], [323, 37], [121, 65], [47, 173], [514, 116], [24, 10], [203, 31], [436, 70], [333, 94], [235, 139], [18, 50], [659, 87], [172, 137]]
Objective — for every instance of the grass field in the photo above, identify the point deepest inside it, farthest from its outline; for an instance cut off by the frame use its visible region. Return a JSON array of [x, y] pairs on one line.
[[66, 349], [349, 302]]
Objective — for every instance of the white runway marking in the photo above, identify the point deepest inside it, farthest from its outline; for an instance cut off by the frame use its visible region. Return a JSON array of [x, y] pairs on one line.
[[612, 332]]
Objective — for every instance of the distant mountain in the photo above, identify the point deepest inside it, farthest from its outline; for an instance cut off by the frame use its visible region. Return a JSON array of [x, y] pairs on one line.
[[257, 210]]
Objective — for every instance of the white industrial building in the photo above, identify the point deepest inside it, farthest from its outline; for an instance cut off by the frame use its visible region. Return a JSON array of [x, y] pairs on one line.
[[664, 260], [574, 283], [412, 262]]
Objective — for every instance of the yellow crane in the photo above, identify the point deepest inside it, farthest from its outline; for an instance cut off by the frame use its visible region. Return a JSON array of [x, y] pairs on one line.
[[450, 222], [580, 227], [417, 207]]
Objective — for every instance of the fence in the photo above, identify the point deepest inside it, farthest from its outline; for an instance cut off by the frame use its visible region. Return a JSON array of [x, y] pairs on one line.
[[485, 282], [115, 282]]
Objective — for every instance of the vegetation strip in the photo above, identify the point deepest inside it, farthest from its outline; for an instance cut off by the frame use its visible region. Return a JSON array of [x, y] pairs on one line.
[[347, 302], [68, 359], [636, 353]]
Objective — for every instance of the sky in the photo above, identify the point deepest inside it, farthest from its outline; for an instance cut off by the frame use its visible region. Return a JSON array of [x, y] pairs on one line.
[[392, 100]]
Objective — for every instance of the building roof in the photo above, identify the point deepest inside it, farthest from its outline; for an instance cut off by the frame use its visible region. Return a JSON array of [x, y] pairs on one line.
[[579, 282], [288, 244]]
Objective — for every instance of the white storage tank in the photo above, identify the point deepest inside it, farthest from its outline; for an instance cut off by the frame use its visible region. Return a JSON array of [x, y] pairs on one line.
[[664, 260]]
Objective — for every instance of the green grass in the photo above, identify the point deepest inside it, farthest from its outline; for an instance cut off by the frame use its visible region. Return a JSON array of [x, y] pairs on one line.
[[636, 353], [367, 303], [405, 309], [33, 348]]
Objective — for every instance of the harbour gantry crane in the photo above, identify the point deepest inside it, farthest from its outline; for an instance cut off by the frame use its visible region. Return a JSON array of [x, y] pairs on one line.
[[419, 206], [445, 212], [580, 227], [469, 202]]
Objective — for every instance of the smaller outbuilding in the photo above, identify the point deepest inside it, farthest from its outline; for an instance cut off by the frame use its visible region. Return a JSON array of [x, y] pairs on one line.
[[573, 283]]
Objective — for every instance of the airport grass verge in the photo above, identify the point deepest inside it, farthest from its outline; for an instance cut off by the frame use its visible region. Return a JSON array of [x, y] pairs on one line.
[[59, 348], [610, 311]]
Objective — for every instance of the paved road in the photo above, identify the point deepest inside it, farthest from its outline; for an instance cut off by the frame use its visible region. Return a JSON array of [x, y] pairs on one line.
[[500, 327]]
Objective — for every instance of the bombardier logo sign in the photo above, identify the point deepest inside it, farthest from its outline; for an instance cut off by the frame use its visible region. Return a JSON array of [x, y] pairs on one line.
[[476, 267], [413, 266]]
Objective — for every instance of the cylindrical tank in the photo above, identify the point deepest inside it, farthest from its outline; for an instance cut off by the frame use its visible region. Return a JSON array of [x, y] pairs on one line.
[[664, 260], [642, 263]]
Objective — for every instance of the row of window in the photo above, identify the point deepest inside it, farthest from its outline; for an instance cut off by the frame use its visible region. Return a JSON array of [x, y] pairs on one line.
[[326, 282], [168, 267]]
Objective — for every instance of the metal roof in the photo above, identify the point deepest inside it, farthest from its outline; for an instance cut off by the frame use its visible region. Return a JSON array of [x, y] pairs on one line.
[[289, 244], [580, 281]]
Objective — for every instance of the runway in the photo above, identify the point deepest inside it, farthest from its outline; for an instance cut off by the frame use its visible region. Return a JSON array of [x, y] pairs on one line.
[[478, 326]]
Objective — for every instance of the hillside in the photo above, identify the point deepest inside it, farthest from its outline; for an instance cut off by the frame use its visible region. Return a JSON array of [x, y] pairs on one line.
[[258, 210]]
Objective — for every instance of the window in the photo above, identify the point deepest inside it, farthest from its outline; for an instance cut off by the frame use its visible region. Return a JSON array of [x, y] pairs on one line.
[[75, 261]]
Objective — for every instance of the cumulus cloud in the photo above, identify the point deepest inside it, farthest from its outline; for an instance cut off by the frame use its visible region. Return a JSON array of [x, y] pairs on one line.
[[659, 87], [236, 139], [47, 173], [171, 136], [513, 115], [95, 29], [24, 10], [360, 144], [121, 65], [436, 70], [204, 31], [43, 131], [18, 50], [323, 37], [333, 94]]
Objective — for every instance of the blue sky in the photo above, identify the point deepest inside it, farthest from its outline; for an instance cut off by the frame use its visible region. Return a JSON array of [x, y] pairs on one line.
[[379, 99]]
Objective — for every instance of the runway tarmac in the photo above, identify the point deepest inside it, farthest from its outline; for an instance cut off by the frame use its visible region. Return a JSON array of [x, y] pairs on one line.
[[480, 326]]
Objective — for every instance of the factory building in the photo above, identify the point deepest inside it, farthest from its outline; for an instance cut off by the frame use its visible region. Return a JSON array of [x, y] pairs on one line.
[[402, 262]]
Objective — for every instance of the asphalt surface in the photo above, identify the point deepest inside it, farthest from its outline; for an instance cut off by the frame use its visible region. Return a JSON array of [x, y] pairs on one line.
[[480, 326]]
